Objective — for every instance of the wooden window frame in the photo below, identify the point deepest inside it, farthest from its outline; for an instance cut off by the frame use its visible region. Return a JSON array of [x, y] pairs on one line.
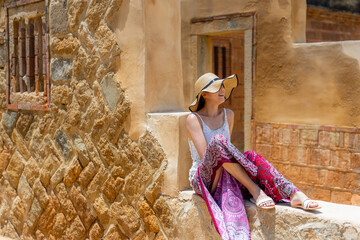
[[45, 62]]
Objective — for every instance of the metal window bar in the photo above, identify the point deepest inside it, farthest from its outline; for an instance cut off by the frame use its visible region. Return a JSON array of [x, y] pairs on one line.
[[29, 64]]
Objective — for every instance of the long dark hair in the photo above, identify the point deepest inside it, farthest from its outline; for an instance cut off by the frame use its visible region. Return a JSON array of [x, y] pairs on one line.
[[201, 103]]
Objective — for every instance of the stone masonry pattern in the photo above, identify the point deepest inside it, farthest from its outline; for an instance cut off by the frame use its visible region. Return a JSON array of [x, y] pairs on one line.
[[73, 172], [322, 161]]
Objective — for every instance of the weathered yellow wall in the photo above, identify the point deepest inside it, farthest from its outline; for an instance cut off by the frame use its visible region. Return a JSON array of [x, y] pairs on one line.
[[294, 83]]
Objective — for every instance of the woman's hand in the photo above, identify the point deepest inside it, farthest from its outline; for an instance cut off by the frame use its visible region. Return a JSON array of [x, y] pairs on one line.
[[195, 133]]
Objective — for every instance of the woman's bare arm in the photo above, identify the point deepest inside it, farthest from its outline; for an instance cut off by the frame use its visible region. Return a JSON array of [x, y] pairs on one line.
[[230, 117], [196, 134]]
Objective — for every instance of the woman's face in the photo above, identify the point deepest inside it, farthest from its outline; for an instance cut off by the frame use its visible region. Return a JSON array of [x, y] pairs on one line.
[[215, 98]]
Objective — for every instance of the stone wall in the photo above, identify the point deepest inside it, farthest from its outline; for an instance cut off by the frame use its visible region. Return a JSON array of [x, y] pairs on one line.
[[323, 25], [322, 161], [74, 172]]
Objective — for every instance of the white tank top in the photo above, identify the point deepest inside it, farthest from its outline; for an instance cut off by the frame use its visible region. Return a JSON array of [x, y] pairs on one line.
[[208, 134]]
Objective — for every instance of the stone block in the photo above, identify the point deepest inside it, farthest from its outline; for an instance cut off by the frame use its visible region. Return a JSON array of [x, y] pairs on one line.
[[86, 38], [21, 145], [309, 137], [25, 192], [102, 210], [81, 150], [72, 173], [57, 11], [341, 197], [76, 230], [154, 190], [17, 215], [330, 140], [110, 90], [76, 8], [60, 69], [297, 155], [355, 199], [334, 179], [112, 187], [63, 142], [64, 46], [33, 216], [314, 176], [66, 204], [95, 12], [355, 161], [148, 216], [263, 135], [58, 176], [319, 193], [264, 150], [96, 183], [275, 135], [320, 157], [352, 141], [23, 123], [276, 153], [4, 160], [61, 95], [151, 150], [59, 225], [289, 137], [40, 193], [352, 181], [50, 166], [6, 188], [166, 218], [86, 175], [340, 159], [9, 119], [126, 217], [112, 10], [96, 231], [86, 214], [136, 182], [15, 168], [114, 233], [105, 40], [31, 171]]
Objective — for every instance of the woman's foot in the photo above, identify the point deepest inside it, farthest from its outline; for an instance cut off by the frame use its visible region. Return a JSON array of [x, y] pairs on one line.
[[262, 200], [299, 199]]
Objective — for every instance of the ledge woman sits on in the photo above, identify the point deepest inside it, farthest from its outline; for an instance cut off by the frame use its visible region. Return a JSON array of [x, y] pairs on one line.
[[220, 173]]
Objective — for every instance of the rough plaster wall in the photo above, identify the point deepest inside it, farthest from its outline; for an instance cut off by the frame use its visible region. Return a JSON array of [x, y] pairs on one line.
[[74, 172], [308, 85]]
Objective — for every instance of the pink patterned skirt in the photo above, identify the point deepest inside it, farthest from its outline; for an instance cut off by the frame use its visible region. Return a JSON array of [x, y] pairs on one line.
[[226, 206]]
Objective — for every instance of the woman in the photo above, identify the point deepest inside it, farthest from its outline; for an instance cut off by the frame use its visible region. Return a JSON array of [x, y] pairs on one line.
[[221, 174]]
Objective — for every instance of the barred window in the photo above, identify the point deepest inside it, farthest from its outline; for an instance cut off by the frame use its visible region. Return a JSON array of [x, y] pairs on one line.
[[27, 75]]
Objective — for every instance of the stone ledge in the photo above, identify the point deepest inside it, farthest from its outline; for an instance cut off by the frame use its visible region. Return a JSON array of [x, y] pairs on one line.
[[332, 221]]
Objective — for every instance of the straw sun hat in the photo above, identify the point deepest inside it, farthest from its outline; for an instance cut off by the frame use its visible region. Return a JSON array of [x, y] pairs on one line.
[[211, 83]]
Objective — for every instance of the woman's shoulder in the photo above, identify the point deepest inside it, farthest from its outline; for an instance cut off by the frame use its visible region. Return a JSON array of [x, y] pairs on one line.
[[192, 120], [229, 112]]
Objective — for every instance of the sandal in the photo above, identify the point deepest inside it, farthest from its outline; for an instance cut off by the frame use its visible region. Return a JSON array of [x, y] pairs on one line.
[[306, 205], [261, 201]]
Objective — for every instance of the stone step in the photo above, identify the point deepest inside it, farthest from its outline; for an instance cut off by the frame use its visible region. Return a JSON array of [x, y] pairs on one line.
[[332, 221]]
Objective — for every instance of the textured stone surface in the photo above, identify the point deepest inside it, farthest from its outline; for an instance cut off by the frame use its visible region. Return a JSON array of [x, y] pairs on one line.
[[8, 120], [110, 90], [4, 160], [65, 46], [60, 69], [63, 141], [15, 168], [126, 217], [58, 11]]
